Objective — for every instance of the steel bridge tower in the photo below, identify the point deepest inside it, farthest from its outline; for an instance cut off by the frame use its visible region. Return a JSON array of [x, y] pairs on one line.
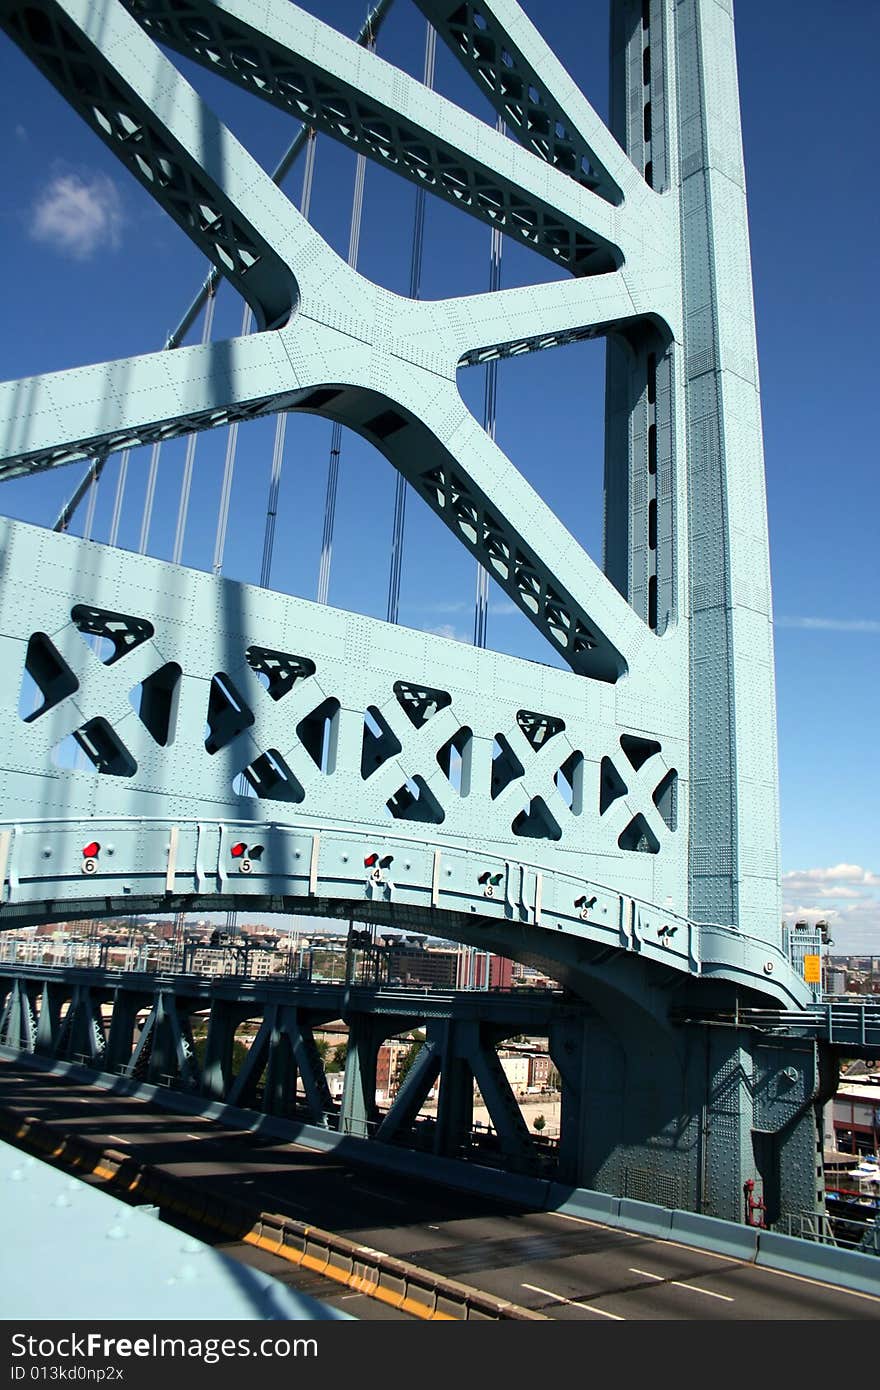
[[617, 820]]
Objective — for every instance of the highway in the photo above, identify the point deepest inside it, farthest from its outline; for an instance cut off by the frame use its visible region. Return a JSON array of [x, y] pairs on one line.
[[565, 1267]]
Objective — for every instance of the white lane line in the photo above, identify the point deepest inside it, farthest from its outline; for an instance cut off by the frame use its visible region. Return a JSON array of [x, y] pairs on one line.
[[118, 1137], [695, 1288], [573, 1303], [602, 1225], [680, 1284], [198, 1136]]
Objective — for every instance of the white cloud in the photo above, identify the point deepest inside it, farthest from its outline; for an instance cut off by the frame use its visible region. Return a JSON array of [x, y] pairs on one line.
[[21, 134], [78, 216], [831, 624], [447, 630], [500, 609], [845, 895], [841, 874]]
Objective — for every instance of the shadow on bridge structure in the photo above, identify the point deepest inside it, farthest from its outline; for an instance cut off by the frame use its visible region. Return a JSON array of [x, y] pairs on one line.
[[613, 818]]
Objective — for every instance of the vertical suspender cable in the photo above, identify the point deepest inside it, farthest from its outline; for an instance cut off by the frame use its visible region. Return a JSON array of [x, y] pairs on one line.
[[490, 405], [247, 322], [85, 484], [272, 504], [190, 458], [93, 498], [354, 237], [147, 517], [415, 281], [116, 518], [281, 418]]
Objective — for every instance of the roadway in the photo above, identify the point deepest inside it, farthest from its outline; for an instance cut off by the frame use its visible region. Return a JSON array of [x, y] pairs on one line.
[[564, 1266]]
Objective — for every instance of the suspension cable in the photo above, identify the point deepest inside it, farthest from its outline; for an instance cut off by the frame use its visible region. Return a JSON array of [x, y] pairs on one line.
[[490, 408], [120, 494], [281, 417], [247, 322], [93, 499], [415, 282], [189, 460], [354, 238]]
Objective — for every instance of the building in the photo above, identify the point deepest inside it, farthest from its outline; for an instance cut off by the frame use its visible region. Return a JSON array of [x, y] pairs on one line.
[[432, 967], [855, 1116]]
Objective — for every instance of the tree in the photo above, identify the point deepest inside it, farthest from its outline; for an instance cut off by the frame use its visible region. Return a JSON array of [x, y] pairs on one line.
[[412, 1053], [337, 1059], [538, 1123]]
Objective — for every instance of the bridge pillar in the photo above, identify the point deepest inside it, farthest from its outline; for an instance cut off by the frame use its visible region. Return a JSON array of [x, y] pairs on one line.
[[359, 1113], [792, 1081], [49, 1020], [685, 1116], [18, 1024], [464, 1051], [455, 1102], [284, 1047], [82, 1036], [165, 1048], [279, 1080], [120, 1038], [217, 1065]]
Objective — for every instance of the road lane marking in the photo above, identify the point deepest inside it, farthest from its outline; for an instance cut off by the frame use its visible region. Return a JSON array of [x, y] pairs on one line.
[[574, 1303], [695, 1288], [602, 1225], [680, 1284]]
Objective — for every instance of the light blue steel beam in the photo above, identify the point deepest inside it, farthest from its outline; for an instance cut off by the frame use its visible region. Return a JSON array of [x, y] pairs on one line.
[[148, 1271], [292, 60]]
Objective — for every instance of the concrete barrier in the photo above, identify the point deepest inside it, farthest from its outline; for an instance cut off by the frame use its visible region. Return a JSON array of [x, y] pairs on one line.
[[848, 1268], [710, 1233], [645, 1217], [581, 1201]]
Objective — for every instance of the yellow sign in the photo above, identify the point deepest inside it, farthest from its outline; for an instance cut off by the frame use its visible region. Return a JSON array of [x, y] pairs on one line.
[[812, 970]]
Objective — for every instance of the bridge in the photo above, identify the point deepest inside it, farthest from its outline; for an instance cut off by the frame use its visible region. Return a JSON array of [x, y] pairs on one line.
[[612, 815]]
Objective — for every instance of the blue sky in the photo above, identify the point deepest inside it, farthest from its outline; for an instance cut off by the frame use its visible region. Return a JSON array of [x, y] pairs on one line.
[[95, 270]]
